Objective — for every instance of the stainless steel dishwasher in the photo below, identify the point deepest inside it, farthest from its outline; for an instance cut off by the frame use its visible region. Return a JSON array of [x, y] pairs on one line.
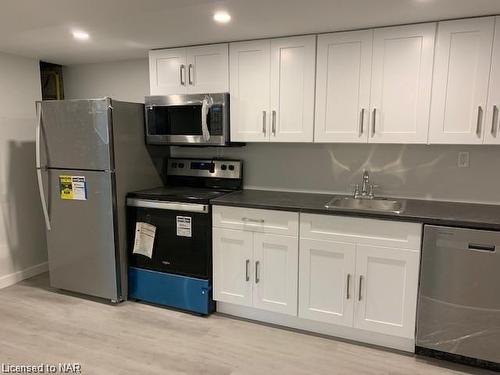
[[459, 296]]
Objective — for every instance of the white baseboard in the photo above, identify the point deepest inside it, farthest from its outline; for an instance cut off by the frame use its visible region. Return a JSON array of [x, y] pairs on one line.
[[352, 334], [18, 276]]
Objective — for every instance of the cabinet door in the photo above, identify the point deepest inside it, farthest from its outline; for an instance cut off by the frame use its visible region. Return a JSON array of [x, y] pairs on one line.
[[249, 64], [326, 281], [232, 266], [167, 71], [461, 76], [275, 273], [292, 88], [386, 290], [401, 83], [208, 69], [491, 127], [343, 86]]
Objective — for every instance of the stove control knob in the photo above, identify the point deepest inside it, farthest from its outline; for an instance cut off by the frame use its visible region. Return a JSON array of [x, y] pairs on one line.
[[223, 167], [181, 165], [174, 165], [231, 167]]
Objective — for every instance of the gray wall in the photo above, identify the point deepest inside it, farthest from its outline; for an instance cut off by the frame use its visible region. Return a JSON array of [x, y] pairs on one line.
[[22, 230], [418, 171], [124, 80], [421, 171]]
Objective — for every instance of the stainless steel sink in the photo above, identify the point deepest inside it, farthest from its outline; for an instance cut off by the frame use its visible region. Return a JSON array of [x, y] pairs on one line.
[[376, 204]]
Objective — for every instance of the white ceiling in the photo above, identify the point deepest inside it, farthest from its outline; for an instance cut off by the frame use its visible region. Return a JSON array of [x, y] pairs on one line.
[[124, 29]]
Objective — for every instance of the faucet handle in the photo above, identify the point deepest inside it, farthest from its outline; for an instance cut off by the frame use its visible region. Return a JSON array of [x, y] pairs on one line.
[[356, 190], [371, 191]]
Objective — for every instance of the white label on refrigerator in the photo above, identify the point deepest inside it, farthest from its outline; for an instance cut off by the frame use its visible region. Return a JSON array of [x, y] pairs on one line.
[[73, 187], [184, 226], [144, 239]]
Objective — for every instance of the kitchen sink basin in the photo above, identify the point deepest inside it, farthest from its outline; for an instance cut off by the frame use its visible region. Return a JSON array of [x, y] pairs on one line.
[[358, 204]]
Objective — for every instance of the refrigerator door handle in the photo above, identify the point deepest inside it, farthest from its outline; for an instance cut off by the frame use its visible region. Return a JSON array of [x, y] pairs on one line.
[[42, 198], [38, 134], [38, 168]]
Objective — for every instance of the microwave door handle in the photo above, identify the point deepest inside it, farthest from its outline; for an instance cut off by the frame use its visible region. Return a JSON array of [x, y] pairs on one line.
[[206, 104]]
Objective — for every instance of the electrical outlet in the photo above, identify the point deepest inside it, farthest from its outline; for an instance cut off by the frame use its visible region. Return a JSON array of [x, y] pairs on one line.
[[463, 159]]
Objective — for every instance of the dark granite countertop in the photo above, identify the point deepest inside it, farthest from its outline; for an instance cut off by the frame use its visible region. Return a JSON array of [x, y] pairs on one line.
[[470, 215]]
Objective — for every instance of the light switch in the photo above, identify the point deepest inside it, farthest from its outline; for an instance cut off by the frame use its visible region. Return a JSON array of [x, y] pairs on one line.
[[463, 159]]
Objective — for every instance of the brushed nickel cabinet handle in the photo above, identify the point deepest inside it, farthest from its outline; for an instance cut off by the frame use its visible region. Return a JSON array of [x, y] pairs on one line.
[[479, 120], [348, 286], [494, 121], [274, 123], [361, 122], [190, 76], [264, 117], [247, 274], [374, 121], [182, 69], [360, 286], [257, 276], [246, 219]]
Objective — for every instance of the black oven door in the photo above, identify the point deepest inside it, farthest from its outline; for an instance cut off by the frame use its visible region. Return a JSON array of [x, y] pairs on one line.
[[183, 238]]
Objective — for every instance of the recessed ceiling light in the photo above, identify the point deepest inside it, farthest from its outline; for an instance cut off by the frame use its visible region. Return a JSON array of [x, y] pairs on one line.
[[222, 17], [80, 35]]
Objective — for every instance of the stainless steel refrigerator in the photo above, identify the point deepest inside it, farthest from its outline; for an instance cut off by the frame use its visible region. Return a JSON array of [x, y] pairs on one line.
[[89, 154]]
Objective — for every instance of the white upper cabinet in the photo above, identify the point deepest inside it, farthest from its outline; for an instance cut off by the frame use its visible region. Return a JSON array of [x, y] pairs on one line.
[[167, 71], [461, 76], [272, 90], [191, 70], [401, 83], [343, 86], [436, 83], [208, 69], [491, 127], [250, 90], [293, 63]]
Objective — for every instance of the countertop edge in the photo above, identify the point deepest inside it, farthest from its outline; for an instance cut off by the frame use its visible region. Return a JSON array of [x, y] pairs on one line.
[[369, 215]]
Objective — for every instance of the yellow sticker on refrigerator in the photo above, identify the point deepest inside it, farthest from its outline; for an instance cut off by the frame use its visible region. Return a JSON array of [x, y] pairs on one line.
[[73, 187]]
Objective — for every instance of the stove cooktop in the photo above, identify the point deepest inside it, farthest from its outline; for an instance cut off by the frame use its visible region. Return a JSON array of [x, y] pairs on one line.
[[180, 194]]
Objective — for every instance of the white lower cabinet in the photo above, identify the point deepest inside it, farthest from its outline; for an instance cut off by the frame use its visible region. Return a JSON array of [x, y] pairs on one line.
[[387, 283], [232, 254], [252, 267], [351, 277], [326, 281], [275, 277]]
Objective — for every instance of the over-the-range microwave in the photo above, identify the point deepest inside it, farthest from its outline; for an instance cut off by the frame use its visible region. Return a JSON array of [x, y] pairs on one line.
[[189, 119]]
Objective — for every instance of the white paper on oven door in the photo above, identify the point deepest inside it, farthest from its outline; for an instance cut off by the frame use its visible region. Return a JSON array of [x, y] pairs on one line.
[[184, 224], [144, 239]]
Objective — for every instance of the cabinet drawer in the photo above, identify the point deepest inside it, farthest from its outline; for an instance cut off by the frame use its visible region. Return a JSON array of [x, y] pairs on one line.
[[256, 220], [398, 234]]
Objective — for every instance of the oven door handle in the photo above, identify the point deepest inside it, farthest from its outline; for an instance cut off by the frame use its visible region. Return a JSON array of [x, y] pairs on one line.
[[173, 206]]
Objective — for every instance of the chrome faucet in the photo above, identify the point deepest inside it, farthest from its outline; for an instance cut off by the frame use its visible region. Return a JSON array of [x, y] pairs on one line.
[[366, 188]]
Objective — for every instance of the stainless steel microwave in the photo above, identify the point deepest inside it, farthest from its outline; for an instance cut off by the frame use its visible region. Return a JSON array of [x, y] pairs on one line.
[[190, 119]]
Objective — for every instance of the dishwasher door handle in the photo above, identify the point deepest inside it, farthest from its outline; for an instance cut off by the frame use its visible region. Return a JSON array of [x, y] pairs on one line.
[[481, 247]]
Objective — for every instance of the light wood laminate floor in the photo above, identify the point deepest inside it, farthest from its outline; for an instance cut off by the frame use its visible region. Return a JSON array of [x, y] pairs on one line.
[[39, 325]]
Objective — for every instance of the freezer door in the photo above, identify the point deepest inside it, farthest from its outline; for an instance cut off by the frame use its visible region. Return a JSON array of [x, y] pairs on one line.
[[76, 134], [81, 241]]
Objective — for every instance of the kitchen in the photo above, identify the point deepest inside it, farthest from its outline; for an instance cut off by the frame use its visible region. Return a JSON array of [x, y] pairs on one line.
[[342, 184]]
